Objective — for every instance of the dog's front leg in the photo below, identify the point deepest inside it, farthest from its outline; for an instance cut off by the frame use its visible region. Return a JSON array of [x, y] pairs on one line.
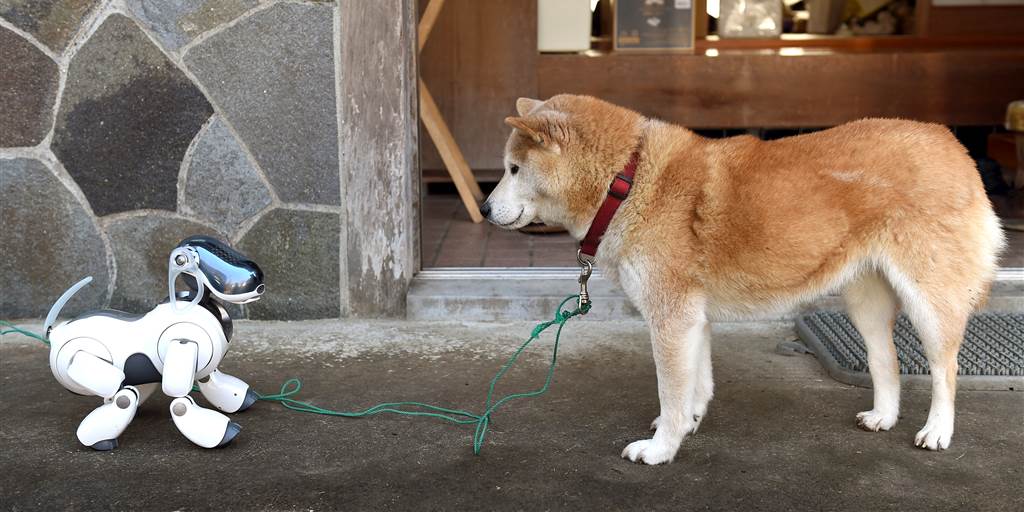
[[679, 336]]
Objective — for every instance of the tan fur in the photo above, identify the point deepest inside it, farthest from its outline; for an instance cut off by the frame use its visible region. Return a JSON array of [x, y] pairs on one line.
[[730, 228]]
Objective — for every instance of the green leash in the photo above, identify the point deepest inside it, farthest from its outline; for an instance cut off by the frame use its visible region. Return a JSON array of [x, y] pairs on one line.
[[291, 387], [9, 328]]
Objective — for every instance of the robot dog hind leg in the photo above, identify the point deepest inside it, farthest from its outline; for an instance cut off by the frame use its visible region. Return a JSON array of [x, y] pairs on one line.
[[101, 428]]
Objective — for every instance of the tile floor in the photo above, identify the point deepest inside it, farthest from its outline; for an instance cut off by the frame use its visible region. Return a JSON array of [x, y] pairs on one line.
[[450, 239], [1014, 254]]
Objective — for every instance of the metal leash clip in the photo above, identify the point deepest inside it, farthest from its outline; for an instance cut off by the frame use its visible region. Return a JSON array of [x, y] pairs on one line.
[[586, 270]]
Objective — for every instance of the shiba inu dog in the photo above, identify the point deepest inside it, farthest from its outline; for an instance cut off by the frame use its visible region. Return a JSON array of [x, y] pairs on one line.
[[890, 213]]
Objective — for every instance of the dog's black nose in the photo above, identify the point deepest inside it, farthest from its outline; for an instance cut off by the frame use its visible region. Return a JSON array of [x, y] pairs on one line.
[[485, 209]]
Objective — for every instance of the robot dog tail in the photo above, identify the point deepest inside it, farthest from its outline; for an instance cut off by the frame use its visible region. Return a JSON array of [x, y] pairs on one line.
[[59, 305]]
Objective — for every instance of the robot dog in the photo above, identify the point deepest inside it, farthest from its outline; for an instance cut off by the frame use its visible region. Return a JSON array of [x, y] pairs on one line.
[[123, 357]]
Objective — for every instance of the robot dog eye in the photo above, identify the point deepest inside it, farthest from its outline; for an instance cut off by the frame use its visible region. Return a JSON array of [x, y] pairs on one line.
[[230, 275]]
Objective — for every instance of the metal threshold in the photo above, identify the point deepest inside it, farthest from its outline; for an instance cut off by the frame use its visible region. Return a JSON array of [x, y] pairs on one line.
[[517, 293]]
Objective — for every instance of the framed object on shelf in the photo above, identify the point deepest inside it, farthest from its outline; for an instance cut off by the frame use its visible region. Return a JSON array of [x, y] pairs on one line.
[[653, 25]]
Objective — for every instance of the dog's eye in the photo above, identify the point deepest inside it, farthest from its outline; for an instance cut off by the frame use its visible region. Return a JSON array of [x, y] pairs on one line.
[[513, 168]]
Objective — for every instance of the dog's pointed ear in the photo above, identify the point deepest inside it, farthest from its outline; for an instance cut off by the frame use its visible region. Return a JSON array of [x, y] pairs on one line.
[[542, 129], [526, 105], [527, 126]]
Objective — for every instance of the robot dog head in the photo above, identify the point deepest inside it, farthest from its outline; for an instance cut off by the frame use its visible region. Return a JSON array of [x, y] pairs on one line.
[[209, 263]]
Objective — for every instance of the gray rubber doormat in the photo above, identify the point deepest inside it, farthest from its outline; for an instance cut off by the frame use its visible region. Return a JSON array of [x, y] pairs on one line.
[[991, 357]]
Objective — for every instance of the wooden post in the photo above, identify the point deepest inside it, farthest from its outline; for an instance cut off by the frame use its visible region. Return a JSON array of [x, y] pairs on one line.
[[462, 176], [378, 153], [454, 161], [427, 21]]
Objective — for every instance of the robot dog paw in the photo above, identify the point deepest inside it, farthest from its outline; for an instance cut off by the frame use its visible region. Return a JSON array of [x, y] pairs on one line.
[[204, 427], [105, 445], [250, 398], [229, 434]]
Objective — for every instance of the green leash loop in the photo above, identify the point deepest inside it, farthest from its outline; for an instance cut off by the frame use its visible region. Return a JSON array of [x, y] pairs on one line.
[[291, 387]]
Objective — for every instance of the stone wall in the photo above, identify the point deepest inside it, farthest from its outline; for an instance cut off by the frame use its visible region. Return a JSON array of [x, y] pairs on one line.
[[126, 125]]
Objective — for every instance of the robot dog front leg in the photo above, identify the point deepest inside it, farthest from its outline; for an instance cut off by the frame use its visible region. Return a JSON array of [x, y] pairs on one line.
[[227, 393], [101, 428], [204, 427]]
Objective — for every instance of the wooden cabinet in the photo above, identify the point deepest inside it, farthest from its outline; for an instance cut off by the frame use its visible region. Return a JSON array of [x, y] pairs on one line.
[[483, 55]]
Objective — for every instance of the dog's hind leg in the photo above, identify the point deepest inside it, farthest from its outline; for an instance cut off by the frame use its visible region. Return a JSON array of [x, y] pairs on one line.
[[939, 304], [872, 306], [940, 323], [941, 338], [678, 335]]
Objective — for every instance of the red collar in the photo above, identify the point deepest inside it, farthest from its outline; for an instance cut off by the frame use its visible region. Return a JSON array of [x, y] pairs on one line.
[[619, 189]]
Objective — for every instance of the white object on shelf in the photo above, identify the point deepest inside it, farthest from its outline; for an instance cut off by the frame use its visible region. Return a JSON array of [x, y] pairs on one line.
[[750, 18], [563, 25]]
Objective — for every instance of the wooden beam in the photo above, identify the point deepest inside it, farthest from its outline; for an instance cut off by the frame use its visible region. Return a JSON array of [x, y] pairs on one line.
[[428, 20], [462, 176], [700, 19], [922, 13], [451, 155]]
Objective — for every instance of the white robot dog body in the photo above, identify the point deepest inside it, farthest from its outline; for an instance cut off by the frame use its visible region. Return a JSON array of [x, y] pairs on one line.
[[123, 358]]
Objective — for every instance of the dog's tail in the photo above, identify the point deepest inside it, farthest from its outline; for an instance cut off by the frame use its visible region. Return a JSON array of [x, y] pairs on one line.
[[59, 305]]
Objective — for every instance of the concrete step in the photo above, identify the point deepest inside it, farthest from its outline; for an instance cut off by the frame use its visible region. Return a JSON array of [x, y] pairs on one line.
[[487, 294]]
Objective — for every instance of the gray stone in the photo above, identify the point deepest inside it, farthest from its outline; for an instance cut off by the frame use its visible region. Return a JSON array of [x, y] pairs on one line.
[[176, 22], [141, 246], [53, 22], [272, 77], [49, 242], [298, 252], [127, 117], [222, 188], [28, 87]]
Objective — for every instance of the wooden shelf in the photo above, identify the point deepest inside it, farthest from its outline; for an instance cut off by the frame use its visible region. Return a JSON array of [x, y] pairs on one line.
[[771, 88], [860, 43]]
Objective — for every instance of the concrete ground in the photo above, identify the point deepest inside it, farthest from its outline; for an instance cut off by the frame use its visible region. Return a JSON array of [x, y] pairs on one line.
[[780, 434]]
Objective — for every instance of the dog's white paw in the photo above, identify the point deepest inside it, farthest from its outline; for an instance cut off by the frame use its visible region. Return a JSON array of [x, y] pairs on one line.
[[875, 420], [649, 451], [935, 435]]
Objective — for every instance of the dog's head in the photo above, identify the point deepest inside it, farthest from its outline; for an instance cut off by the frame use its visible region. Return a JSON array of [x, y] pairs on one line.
[[559, 160]]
